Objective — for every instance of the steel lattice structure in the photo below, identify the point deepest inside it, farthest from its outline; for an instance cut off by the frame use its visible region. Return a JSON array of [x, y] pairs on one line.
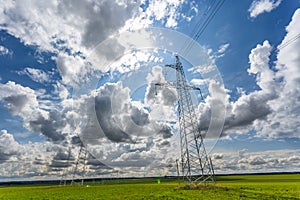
[[63, 180], [196, 165], [80, 165]]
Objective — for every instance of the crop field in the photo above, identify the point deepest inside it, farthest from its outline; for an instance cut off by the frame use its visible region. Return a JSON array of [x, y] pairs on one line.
[[278, 186]]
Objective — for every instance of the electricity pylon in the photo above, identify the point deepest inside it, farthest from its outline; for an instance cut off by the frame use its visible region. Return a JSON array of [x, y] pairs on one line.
[[63, 180], [80, 165], [196, 165]]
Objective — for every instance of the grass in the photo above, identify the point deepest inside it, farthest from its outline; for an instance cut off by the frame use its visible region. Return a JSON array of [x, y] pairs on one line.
[[227, 187]]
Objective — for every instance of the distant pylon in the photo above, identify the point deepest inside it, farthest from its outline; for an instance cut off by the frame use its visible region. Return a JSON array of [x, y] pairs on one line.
[[63, 179], [80, 165], [196, 165]]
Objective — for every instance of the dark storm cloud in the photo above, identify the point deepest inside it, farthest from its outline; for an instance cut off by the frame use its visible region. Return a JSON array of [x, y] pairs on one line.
[[109, 126], [39, 161], [62, 159], [63, 155], [16, 102], [217, 156], [249, 108], [51, 128], [76, 140], [102, 18], [139, 117], [59, 164], [5, 156], [240, 114], [23, 101], [166, 132], [96, 164], [163, 144], [169, 96]]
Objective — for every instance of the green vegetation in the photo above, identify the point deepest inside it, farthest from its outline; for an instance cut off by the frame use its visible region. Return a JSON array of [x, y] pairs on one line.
[[227, 187]]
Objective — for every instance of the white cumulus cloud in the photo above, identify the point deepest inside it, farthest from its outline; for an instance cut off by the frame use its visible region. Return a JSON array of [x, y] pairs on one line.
[[261, 161], [37, 75], [5, 51], [284, 121], [8, 146], [261, 6], [71, 30], [274, 109], [23, 102]]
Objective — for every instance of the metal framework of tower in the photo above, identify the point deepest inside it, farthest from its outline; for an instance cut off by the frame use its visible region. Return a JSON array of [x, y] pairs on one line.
[[196, 165], [63, 180], [80, 166]]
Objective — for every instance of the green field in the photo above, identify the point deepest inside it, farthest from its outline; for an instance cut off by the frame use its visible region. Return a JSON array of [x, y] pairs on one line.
[[227, 187]]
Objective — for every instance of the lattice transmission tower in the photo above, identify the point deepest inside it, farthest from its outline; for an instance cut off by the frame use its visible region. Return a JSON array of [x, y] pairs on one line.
[[63, 180], [80, 166], [196, 165]]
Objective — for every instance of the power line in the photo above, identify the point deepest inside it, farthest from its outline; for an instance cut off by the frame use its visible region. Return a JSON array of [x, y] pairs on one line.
[[210, 13], [290, 41], [198, 24]]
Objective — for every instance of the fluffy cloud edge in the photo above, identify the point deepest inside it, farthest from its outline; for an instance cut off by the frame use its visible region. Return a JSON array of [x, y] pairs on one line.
[[259, 7]]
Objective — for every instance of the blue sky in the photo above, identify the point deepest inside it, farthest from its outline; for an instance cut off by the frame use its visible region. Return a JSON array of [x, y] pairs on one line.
[[86, 69]]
